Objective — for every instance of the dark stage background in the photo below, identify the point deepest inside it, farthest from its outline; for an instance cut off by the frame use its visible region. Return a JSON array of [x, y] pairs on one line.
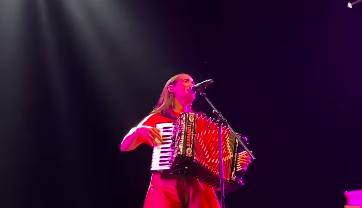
[[76, 75]]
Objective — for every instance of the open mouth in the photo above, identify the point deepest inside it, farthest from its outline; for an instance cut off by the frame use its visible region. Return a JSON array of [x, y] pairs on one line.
[[189, 90]]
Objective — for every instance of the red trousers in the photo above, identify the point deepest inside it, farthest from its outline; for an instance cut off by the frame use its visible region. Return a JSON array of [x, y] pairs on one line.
[[179, 193]]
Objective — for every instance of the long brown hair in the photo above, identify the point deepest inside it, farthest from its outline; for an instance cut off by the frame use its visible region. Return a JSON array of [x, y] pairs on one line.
[[167, 99]]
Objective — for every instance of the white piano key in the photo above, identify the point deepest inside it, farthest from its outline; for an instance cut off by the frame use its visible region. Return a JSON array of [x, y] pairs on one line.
[[164, 125], [161, 168], [161, 165], [163, 155], [157, 167], [156, 164], [168, 145], [161, 151], [166, 162]]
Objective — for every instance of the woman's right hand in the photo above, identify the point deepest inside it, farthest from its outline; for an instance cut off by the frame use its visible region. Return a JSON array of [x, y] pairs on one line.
[[151, 134]]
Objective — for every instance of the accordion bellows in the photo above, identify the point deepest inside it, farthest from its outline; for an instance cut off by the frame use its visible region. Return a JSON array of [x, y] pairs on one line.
[[194, 145]]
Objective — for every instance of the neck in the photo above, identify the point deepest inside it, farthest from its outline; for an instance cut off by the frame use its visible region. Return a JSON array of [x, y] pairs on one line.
[[181, 107]]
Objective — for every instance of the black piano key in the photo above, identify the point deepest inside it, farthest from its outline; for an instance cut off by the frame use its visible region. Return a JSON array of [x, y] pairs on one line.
[[165, 164], [165, 151]]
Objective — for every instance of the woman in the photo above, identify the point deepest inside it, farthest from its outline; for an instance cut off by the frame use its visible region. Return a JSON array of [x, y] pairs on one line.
[[176, 98]]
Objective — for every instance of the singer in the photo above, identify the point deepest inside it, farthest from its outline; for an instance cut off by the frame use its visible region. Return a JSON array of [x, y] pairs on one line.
[[181, 191]]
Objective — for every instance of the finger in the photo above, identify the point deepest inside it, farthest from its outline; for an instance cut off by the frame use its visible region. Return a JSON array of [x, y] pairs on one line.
[[243, 164], [157, 141], [146, 136], [151, 138], [148, 141], [157, 133], [156, 130], [243, 161], [243, 153], [156, 137]]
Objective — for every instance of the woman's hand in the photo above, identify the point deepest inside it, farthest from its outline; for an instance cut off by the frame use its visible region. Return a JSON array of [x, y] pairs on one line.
[[243, 161], [151, 135]]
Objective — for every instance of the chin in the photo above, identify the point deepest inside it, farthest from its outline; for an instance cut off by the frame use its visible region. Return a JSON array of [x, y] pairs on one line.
[[192, 99], [189, 99]]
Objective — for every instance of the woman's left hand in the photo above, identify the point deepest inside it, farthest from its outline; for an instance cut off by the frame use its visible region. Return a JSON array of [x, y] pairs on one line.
[[243, 161]]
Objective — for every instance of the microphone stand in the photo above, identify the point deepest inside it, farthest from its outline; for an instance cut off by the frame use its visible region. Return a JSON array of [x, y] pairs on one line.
[[220, 121]]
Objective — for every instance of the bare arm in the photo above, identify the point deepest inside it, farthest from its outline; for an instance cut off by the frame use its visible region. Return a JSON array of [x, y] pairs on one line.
[[141, 134], [131, 140]]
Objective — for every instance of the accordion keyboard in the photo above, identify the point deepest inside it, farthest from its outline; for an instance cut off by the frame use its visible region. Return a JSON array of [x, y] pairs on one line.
[[162, 154]]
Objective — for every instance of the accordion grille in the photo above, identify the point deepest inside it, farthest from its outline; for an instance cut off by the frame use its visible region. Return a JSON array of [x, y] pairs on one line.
[[198, 139]]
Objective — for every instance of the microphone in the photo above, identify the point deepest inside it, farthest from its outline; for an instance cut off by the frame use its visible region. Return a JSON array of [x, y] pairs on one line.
[[202, 85]]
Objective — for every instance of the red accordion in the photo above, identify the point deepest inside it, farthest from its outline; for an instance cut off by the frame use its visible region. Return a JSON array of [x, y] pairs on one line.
[[195, 146]]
